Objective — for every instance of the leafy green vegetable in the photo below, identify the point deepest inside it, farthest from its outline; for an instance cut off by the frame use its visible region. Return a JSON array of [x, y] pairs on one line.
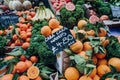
[[113, 48], [15, 52], [15, 76], [70, 18], [83, 65], [38, 45]]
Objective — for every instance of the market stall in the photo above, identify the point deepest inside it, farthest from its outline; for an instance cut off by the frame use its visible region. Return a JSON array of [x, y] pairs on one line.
[[59, 40]]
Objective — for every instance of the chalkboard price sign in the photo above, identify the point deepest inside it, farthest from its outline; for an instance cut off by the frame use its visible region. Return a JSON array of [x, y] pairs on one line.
[[60, 40], [8, 19]]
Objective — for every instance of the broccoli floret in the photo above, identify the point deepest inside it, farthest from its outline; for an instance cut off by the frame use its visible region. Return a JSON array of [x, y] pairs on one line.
[[104, 10], [80, 2]]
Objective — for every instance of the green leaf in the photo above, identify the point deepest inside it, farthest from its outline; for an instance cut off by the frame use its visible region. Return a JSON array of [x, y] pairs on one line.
[[101, 49], [96, 49], [94, 41], [89, 53], [109, 74], [79, 59], [44, 75], [15, 76], [68, 51], [113, 69], [81, 36], [16, 53], [72, 57], [90, 65], [10, 69]]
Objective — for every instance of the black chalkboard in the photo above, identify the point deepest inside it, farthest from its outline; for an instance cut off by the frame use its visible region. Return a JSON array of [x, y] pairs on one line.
[[8, 19], [60, 40]]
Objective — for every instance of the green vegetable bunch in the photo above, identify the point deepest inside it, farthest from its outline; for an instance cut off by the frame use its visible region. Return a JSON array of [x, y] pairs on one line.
[[3, 41], [38, 45], [70, 18], [102, 7], [113, 48]]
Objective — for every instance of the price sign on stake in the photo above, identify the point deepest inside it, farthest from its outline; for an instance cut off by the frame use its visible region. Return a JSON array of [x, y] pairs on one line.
[[60, 40], [8, 19]]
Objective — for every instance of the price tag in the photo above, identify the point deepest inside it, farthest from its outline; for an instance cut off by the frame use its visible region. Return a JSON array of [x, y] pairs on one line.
[[115, 11], [60, 40], [8, 19]]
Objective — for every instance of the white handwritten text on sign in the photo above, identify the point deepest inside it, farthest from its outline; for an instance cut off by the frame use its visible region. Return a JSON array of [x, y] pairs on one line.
[[60, 40]]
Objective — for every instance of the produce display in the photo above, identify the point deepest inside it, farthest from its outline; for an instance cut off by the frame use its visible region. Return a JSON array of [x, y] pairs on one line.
[[25, 54]]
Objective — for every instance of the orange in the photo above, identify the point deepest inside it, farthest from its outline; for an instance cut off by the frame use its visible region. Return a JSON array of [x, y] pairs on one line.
[[96, 77], [24, 27], [23, 58], [46, 31], [81, 24], [73, 33], [29, 30], [60, 26], [12, 45], [85, 77], [14, 37], [102, 69], [32, 14], [25, 45], [1, 32], [7, 77], [86, 46], [102, 32], [38, 78], [77, 46], [11, 27], [55, 30], [9, 57], [21, 67], [115, 62], [28, 17], [28, 40], [18, 42], [83, 54], [23, 36], [6, 31], [102, 61], [93, 73], [90, 33], [72, 73], [94, 59], [29, 34], [22, 20], [34, 59], [101, 55], [53, 23], [3, 70], [33, 72], [28, 63], [23, 77]]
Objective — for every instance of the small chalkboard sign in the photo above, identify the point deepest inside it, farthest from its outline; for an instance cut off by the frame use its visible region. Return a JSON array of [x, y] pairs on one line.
[[8, 19], [60, 40], [115, 11]]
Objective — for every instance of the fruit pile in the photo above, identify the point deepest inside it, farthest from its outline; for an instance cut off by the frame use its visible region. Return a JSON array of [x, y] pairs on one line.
[[95, 55], [22, 32], [57, 4]]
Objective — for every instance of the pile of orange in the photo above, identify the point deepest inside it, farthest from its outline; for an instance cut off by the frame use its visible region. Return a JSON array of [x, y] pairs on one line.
[[24, 65]]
